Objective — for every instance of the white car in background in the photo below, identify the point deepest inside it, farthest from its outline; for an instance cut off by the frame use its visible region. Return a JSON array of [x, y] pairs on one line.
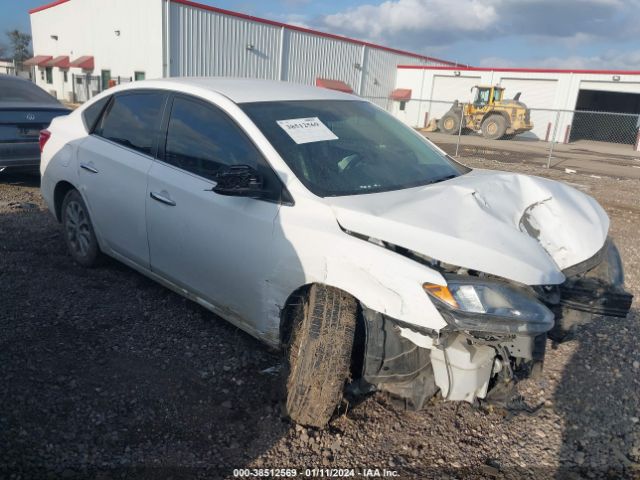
[[320, 224]]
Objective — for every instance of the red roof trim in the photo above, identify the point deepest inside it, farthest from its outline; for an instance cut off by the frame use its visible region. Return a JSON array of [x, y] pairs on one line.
[[401, 94], [38, 60], [48, 5], [333, 85], [308, 30], [61, 62], [522, 70], [85, 63]]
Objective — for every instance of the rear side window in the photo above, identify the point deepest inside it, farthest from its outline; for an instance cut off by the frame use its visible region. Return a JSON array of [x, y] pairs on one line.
[[93, 112], [201, 139], [133, 120]]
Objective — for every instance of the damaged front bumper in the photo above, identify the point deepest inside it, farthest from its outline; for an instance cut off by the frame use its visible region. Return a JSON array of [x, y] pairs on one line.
[[592, 289], [465, 360], [414, 365]]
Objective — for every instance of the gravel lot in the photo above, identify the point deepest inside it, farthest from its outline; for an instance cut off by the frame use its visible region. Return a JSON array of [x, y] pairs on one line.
[[108, 375]]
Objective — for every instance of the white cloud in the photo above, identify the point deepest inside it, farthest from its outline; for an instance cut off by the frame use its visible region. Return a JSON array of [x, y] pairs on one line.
[[421, 24], [405, 16], [611, 60]]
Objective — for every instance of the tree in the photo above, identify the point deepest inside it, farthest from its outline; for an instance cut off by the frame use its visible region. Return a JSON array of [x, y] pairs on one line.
[[3, 50], [20, 45]]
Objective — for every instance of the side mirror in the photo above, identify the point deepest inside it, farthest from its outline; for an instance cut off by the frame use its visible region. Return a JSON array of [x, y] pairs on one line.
[[238, 181]]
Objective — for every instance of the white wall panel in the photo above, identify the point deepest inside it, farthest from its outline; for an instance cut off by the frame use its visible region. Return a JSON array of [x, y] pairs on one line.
[[207, 43]]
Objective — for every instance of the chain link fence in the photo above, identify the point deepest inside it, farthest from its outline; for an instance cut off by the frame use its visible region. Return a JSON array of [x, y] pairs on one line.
[[553, 138]]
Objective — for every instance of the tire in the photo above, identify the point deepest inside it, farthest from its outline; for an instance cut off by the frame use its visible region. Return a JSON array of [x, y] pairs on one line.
[[450, 123], [78, 230], [494, 127], [319, 355]]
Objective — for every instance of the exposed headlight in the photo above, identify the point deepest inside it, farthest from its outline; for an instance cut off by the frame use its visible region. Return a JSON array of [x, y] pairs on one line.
[[469, 303]]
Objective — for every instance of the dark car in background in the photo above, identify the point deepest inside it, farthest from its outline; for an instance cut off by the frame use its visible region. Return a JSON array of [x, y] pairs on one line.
[[25, 109]]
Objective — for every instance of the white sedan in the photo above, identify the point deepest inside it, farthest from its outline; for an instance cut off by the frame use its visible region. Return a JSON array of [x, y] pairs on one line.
[[321, 225]]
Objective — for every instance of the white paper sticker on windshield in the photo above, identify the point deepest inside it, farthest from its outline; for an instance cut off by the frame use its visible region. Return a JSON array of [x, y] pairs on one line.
[[306, 130]]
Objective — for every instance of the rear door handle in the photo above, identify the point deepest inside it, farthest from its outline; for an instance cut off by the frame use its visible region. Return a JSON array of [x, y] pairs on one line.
[[162, 199], [88, 168]]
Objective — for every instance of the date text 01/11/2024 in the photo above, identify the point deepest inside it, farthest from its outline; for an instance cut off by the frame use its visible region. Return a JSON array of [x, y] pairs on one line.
[[315, 473]]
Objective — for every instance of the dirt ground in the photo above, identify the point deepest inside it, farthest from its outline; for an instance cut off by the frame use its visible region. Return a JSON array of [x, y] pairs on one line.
[[585, 157], [106, 374]]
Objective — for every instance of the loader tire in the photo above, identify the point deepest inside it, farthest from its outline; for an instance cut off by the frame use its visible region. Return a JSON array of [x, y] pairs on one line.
[[319, 355], [450, 123], [494, 127]]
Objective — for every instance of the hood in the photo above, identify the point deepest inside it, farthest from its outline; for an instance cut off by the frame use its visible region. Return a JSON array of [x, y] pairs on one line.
[[523, 228]]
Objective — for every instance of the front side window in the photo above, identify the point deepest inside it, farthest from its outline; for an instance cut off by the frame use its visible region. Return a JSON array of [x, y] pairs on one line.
[[338, 147], [202, 139], [133, 120]]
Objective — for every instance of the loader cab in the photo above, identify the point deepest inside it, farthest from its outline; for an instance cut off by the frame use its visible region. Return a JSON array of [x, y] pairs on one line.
[[487, 95]]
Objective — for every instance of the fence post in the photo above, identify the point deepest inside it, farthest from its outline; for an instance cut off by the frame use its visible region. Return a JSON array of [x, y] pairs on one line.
[[459, 130], [553, 138]]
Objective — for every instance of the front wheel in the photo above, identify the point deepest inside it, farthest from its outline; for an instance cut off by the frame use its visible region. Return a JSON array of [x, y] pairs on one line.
[[79, 235], [319, 355], [450, 123], [494, 127]]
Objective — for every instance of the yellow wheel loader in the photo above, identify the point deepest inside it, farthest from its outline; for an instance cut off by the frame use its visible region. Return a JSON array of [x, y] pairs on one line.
[[489, 114]]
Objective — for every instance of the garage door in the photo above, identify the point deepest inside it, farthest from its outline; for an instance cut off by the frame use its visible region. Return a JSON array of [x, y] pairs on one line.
[[623, 87], [536, 94], [447, 89]]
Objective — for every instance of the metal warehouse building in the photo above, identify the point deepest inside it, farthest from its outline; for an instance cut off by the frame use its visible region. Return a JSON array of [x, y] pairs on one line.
[[83, 46], [565, 104]]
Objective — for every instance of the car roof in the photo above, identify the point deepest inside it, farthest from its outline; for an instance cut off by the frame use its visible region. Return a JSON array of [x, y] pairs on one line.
[[246, 90]]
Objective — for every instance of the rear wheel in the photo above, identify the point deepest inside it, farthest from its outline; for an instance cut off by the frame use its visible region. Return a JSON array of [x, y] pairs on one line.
[[319, 355], [494, 127], [79, 235], [450, 123]]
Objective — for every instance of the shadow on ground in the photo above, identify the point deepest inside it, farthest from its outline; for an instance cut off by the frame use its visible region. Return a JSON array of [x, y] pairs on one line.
[[599, 399], [104, 370]]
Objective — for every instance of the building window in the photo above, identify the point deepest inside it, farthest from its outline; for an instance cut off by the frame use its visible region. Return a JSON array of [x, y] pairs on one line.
[[64, 75], [49, 72], [138, 76]]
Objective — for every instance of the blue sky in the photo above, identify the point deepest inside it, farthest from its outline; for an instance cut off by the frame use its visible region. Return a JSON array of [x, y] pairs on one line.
[[534, 33]]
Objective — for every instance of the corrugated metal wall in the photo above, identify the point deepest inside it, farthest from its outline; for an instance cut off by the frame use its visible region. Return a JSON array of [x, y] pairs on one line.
[[211, 44], [205, 42], [311, 56]]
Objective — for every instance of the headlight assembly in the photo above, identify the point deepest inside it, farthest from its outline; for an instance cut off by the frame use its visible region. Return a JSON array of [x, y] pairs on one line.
[[480, 305]]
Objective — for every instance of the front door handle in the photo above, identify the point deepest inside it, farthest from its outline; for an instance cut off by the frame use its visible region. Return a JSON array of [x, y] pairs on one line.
[[88, 168], [162, 199]]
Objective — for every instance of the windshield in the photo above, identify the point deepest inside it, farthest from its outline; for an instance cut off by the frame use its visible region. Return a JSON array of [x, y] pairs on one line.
[[21, 91], [338, 147]]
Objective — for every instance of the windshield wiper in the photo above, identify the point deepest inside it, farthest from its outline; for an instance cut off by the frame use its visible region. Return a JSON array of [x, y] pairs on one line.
[[441, 179]]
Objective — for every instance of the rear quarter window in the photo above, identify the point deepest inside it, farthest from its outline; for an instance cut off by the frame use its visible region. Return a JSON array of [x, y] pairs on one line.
[[92, 113]]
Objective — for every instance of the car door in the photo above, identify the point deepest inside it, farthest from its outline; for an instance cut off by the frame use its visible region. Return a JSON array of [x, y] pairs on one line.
[[114, 161], [216, 246]]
